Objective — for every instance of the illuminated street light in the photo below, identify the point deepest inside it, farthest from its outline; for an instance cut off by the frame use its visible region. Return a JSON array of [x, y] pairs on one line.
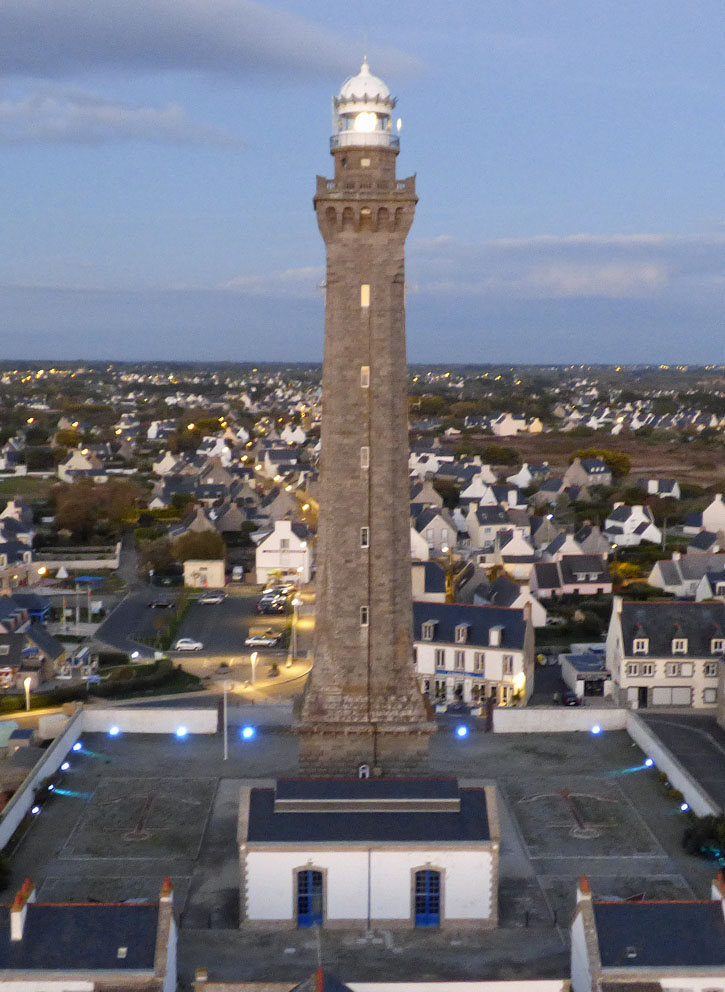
[[27, 681]]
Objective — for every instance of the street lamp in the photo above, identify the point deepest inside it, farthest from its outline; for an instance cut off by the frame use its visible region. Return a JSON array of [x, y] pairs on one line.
[[296, 603], [26, 685], [253, 659], [226, 722]]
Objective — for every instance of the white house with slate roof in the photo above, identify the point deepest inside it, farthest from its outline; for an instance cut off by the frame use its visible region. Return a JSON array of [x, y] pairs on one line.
[[473, 653], [369, 852], [661, 946], [665, 653], [286, 551]]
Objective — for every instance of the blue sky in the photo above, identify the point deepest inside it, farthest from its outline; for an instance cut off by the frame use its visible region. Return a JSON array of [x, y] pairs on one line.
[[158, 158]]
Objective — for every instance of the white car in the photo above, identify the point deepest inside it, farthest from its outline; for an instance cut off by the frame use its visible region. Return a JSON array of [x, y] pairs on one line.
[[262, 640], [188, 644], [209, 598]]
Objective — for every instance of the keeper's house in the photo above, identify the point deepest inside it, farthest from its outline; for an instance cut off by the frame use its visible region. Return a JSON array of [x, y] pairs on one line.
[[370, 853]]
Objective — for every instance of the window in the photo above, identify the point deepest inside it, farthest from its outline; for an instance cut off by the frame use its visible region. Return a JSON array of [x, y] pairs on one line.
[[365, 295], [709, 695], [632, 669], [678, 669], [479, 662], [4, 649], [364, 457], [365, 376], [461, 633], [428, 630], [641, 645], [711, 669], [284, 544], [427, 898], [364, 537], [440, 658], [647, 668], [459, 660], [508, 664], [717, 645], [679, 645], [364, 616]]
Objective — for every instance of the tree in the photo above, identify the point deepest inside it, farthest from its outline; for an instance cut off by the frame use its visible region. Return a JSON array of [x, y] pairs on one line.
[[156, 555], [496, 454], [83, 506], [201, 545], [617, 461]]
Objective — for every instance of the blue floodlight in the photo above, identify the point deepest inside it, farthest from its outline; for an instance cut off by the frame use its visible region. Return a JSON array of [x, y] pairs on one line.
[[35, 810], [648, 762], [461, 731], [77, 746], [114, 731], [596, 729], [684, 807], [181, 732], [51, 787], [248, 733], [65, 766]]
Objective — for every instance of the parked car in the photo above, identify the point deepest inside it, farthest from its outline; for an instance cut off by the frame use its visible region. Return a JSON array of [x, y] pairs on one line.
[[262, 640], [188, 644], [272, 604], [161, 604], [209, 598], [570, 699]]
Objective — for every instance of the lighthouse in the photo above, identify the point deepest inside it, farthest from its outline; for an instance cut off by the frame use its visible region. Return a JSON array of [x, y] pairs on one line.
[[362, 709]]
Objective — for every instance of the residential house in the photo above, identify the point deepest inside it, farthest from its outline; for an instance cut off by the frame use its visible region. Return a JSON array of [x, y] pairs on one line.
[[665, 653], [419, 550], [712, 518], [504, 592], [429, 582], [572, 575], [473, 653], [648, 946], [562, 544], [197, 522], [711, 586], [664, 488], [588, 472], [425, 494], [81, 463], [680, 576], [707, 542], [436, 525], [286, 551], [529, 475], [279, 503], [507, 425], [591, 541], [628, 526], [543, 530], [483, 523], [515, 553], [548, 493]]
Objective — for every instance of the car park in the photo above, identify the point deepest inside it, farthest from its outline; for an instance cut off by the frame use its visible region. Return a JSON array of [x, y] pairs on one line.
[[211, 598], [267, 640], [188, 644]]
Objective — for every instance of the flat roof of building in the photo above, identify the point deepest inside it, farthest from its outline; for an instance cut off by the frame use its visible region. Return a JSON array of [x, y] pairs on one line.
[[661, 934], [367, 788]]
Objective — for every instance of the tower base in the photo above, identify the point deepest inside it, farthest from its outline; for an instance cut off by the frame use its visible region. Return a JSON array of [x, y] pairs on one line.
[[339, 750]]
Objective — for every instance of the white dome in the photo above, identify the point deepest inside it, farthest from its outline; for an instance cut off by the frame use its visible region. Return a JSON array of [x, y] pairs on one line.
[[364, 86]]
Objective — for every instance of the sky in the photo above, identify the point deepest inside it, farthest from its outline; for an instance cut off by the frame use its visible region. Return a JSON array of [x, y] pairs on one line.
[[158, 161]]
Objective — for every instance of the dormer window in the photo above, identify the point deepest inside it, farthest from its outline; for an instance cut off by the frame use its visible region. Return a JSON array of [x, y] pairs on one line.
[[679, 645], [640, 645], [462, 633], [429, 630], [717, 645], [494, 636]]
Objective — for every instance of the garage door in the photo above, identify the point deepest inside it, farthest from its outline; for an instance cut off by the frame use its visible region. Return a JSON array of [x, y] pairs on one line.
[[678, 696]]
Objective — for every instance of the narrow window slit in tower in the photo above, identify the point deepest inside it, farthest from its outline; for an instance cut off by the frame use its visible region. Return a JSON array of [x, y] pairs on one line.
[[364, 376], [365, 295], [364, 537], [364, 616], [365, 457]]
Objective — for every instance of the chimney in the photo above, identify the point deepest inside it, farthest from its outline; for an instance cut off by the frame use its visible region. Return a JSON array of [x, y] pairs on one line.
[[675, 555], [19, 909], [718, 890], [583, 891], [167, 890], [617, 605]]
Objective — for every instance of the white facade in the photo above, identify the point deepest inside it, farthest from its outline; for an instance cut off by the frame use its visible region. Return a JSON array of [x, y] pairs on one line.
[[713, 516], [419, 550], [284, 553]]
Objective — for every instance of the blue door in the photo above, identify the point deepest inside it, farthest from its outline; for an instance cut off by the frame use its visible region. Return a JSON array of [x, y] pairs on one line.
[[427, 898], [309, 898]]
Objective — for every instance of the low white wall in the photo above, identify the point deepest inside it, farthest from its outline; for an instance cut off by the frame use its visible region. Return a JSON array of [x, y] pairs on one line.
[[556, 719], [643, 735], [23, 799], [149, 720]]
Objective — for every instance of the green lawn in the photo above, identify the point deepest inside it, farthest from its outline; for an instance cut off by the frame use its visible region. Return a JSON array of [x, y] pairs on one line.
[[26, 485]]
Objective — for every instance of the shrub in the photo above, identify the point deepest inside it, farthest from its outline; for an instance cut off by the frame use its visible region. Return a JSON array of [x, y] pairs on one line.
[[705, 835]]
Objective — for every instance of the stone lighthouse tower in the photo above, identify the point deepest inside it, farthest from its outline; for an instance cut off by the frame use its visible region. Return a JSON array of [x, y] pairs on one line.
[[362, 704]]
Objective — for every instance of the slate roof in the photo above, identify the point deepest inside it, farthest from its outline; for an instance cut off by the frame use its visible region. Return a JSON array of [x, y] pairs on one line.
[[470, 823], [574, 565], [434, 577], [594, 466], [480, 620], [503, 592], [703, 541], [492, 515], [661, 622], [661, 934], [80, 937], [48, 645]]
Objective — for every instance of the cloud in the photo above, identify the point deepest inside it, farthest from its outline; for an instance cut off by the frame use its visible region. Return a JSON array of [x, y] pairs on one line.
[[634, 266], [57, 115], [56, 38], [304, 282]]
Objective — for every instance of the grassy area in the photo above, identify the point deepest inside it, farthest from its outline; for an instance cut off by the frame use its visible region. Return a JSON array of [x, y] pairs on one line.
[[29, 486]]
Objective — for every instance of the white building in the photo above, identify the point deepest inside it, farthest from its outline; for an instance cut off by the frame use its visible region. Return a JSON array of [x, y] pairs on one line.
[[668, 946], [392, 853], [286, 551], [665, 653], [473, 653]]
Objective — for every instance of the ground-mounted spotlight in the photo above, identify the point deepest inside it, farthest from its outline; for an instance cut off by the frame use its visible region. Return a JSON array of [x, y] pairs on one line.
[[51, 787], [181, 732], [65, 766], [648, 762], [461, 731], [114, 731], [248, 733], [134, 655], [596, 730], [77, 746], [684, 807], [35, 810]]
